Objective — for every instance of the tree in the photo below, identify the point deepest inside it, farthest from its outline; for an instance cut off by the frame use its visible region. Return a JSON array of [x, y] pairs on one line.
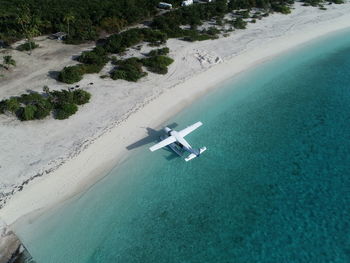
[[113, 24], [67, 19], [29, 25], [71, 74]]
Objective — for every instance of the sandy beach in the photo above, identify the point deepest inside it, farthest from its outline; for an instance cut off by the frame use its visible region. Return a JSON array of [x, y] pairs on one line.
[[67, 157]]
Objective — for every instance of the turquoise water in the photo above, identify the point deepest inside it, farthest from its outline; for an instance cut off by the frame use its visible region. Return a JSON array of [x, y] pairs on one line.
[[273, 186]]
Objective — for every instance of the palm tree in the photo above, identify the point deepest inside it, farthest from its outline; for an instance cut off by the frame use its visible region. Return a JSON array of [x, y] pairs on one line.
[[32, 32], [29, 26], [68, 18]]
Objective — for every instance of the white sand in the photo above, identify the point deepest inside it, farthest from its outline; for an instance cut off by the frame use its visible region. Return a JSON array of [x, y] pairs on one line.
[[93, 141]]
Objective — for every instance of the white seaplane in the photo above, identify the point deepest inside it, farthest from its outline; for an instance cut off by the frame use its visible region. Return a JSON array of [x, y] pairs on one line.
[[175, 140]]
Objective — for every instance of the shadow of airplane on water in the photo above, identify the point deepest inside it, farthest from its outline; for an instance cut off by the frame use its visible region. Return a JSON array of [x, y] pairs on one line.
[[153, 137]]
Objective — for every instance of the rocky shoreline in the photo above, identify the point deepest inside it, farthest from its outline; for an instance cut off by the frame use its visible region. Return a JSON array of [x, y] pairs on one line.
[[11, 248]]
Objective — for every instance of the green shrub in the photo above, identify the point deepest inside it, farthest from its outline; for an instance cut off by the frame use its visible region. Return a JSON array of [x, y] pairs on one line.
[[9, 61], [284, 9], [27, 46], [158, 52], [2, 106], [114, 60], [93, 62], [129, 69], [65, 111], [194, 35], [113, 24], [123, 74], [239, 23], [43, 109], [71, 74], [120, 42], [11, 105], [157, 64], [170, 22], [60, 97], [65, 102], [27, 113], [81, 96], [38, 106], [155, 37], [91, 68], [245, 14], [212, 31], [42, 105], [96, 56], [30, 98], [42, 112]]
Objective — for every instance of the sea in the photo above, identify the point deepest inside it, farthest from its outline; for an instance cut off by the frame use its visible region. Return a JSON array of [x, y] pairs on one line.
[[272, 187]]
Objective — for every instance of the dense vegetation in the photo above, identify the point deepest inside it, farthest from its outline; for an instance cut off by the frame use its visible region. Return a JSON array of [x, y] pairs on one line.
[[171, 22], [131, 69], [88, 19], [71, 74], [33, 106], [93, 61], [91, 19], [164, 26], [321, 2], [81, 19], [120, 42], [159, 52], [157, 64], [128, 69]]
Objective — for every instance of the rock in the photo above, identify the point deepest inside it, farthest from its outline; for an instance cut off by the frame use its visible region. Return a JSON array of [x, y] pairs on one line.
[[10, 245]]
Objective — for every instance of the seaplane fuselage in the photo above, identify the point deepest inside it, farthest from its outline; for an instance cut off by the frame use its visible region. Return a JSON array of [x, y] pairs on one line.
[[181, 141], [177, 138]]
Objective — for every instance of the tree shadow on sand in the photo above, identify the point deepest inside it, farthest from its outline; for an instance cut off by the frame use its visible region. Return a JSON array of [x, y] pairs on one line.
[[54, 74]]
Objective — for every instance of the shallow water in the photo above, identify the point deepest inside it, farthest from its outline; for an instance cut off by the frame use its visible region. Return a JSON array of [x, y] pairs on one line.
[[273, 186]]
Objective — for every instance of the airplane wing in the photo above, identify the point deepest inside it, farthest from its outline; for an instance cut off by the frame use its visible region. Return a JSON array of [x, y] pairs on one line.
[[190, 129], [163, 143]]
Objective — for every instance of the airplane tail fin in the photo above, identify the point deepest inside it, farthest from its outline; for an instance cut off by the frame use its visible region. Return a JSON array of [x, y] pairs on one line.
[[192, 155]]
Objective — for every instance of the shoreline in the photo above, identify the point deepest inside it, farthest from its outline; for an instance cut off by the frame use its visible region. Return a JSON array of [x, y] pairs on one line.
[[93, 163]]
